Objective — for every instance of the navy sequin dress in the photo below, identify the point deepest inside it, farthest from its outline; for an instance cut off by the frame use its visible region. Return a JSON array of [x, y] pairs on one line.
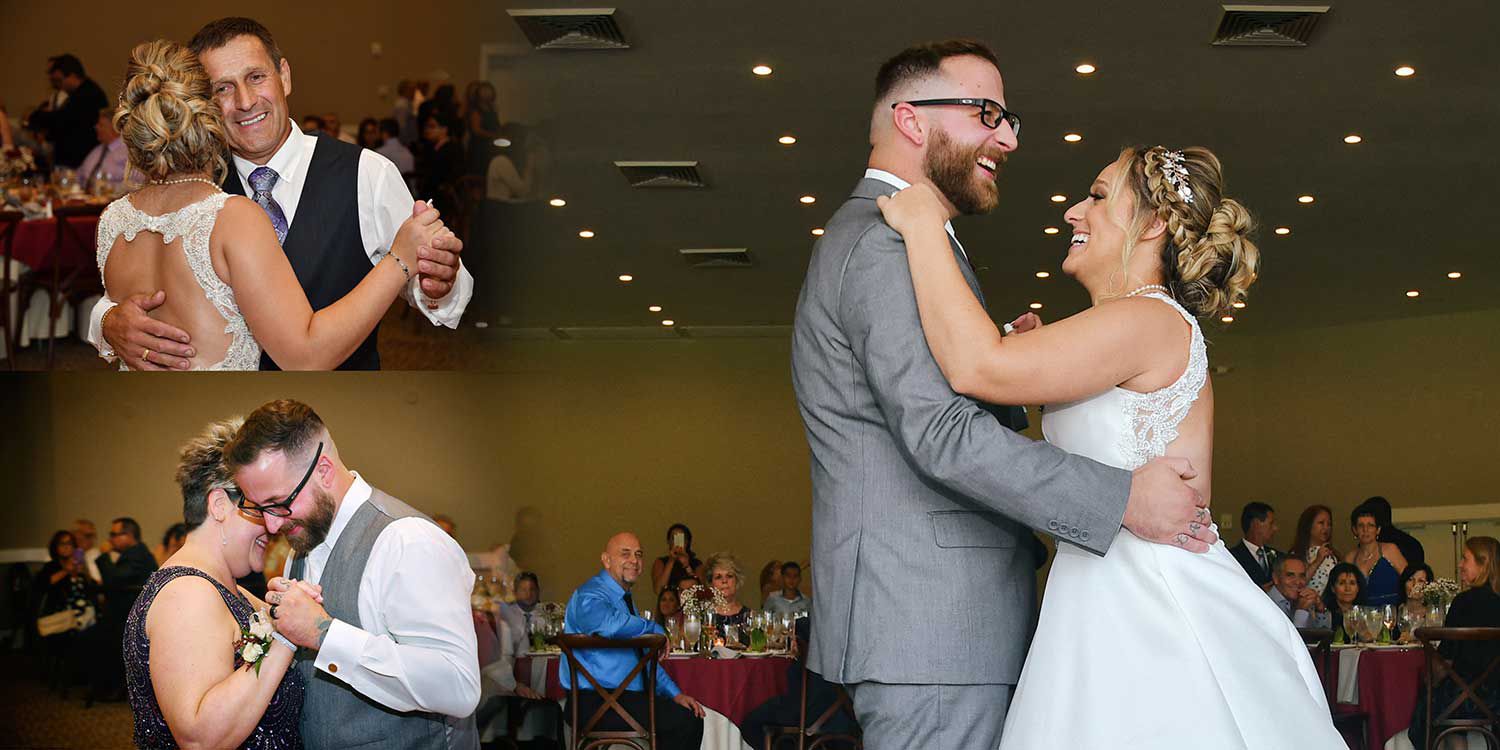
[[277, 728]]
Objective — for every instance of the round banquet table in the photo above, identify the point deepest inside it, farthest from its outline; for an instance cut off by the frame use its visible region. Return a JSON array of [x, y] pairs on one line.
[[1388, 681], [36, 238], [732, 687]]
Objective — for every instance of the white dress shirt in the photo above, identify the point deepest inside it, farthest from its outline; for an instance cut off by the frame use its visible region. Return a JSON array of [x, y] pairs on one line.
[[900, 184], [384, 203], [415, 649]]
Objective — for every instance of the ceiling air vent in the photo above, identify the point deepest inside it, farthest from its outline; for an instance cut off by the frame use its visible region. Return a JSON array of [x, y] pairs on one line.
[[1268, 25], [717, 257], [570, 28], [662, 174]]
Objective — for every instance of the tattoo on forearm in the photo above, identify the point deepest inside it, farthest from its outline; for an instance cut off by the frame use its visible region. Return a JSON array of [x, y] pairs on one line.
[[323, 625]]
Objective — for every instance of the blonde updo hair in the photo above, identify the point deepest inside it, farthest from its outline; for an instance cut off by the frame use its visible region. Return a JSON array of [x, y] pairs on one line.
[[167, 117], [1208, 259]]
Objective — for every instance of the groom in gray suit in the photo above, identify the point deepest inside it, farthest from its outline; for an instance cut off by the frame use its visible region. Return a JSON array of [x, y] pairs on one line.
[[913, 483]]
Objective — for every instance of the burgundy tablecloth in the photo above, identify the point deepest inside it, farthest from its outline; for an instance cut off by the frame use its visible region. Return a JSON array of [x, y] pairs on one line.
[[1388, 685], [36, 238], [732, 687]]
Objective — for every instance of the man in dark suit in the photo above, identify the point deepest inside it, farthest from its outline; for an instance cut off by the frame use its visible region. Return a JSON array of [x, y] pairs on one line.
[[70, 127], [1254, 551], [1410, 548], [784, 710], [123, 577]]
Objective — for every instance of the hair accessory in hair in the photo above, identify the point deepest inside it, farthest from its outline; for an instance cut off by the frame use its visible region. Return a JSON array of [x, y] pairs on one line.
[[1176, 174]]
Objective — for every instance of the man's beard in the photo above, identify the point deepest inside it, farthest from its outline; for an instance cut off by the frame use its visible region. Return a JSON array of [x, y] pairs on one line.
[[314, 528], [950, 168]]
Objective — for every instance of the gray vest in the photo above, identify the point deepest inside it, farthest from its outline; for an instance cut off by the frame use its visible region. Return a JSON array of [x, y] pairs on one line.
[[333, 714]]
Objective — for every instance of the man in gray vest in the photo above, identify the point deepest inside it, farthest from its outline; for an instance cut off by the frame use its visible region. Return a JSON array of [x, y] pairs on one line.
[[379, 597]]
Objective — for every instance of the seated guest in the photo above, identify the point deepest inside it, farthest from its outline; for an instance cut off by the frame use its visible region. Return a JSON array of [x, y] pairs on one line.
[[669, 607], [1346, 585], [679, 563], [517, 614], [170, 543], [1381, 563], [726, 575], [603, 606], [1477, 607], [392, 148], [770, 579], [1411, 549], [1259, 523], [105, 165], [369, 134], [312, 125], [789, 598], [1413, 580], [785, 710], [1290, 592], [60, 585], [1314, 543], [87, 537], [334, 129]]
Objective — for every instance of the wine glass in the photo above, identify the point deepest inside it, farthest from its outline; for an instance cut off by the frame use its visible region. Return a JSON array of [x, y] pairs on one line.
[[1388, 619], [692, 628], [646, 615]]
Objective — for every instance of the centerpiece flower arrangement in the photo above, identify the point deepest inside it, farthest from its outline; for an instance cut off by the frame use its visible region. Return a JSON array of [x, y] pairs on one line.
[[1439, 592], [15, 162], [702, 601]]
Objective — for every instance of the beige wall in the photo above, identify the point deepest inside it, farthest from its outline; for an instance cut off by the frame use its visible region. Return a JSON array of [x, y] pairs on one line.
[[327, 44], [607, 436]]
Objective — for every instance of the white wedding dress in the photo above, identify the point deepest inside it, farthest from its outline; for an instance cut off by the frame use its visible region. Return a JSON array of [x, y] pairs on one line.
[[194, 223], [1152, 646]]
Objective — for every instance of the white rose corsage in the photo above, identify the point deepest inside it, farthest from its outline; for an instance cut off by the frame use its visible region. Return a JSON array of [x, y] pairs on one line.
[[255, 641]]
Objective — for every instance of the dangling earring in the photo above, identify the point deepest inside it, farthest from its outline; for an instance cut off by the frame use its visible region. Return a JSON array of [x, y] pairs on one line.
[[222, 538]]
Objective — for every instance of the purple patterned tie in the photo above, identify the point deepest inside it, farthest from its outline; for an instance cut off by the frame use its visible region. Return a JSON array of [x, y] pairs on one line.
[[261, 181]]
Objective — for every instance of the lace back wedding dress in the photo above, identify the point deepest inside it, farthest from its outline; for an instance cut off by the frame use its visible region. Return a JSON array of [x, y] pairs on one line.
[[1152, 646], [194, 223]]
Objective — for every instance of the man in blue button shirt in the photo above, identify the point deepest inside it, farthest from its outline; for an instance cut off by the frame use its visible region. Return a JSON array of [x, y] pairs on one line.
[[603, 606]]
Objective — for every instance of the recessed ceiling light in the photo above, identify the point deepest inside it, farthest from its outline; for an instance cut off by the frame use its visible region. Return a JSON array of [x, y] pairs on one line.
[[1085, 68], [1305, 199], [1059, 198], [1283, 230], [1072, 137], [761, 70], [808, 199], [1227, 319], [1353, 138], [1043, 274], [1239, 305], [587, 234], [1413, 293], [1035, 305], [1050, 230], [1406, 71], [787, 140], [1455, 275], [627, 278], [654, 308], [818, 232], [502, 142], [669, 322], [557, 203]]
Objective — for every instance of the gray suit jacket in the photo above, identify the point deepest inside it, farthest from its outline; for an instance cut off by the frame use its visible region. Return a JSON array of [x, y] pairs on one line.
[[921, 498]]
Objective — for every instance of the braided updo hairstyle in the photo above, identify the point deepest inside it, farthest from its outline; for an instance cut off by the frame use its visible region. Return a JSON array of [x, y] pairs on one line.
[[166, 116], [1208, 259]]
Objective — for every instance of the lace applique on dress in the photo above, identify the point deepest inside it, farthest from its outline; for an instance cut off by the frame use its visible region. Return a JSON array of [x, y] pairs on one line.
[[1154, 416], [194, 223]]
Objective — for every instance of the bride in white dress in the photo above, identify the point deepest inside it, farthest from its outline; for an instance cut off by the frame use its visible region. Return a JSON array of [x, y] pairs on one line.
[[227, 282], [1149, 646]]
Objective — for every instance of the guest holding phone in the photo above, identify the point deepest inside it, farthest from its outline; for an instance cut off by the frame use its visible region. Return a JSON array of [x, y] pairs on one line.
[[680, 563]]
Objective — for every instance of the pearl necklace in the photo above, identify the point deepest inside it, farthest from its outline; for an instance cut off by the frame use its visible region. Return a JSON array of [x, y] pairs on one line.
[[1149, 288], [186, 180]]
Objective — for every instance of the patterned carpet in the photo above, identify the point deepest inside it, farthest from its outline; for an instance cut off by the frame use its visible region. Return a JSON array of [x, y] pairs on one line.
[[33, 717]]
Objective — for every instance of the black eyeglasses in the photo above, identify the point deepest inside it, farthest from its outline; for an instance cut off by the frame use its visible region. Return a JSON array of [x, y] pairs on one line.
[[990, 111], [281, 509]]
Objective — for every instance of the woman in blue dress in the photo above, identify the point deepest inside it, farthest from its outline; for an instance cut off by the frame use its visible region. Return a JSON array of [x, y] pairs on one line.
[[1381, 563]]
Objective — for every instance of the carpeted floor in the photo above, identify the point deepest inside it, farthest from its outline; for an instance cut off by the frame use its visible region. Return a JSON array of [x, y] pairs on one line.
[[33, 717]]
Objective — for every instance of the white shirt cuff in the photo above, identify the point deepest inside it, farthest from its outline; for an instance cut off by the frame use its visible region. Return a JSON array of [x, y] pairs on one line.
[[341, 649], [96, 328], [450, 309]]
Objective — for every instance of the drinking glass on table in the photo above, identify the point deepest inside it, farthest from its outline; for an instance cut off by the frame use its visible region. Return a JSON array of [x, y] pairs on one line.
[[1388, 619], [692, 628]]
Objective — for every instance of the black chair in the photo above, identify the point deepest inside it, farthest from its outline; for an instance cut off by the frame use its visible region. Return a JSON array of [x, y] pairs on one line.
[[585, 735], [9, 222], [1440, 669], [1322, 640], [777, 735], [62, 281]]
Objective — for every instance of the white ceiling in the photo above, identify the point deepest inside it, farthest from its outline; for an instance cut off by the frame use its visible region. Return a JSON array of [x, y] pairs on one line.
[[1396, 212]]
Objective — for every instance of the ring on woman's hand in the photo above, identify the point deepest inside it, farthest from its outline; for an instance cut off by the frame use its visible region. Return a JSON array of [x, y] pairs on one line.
[[273, 611], [146, 355]]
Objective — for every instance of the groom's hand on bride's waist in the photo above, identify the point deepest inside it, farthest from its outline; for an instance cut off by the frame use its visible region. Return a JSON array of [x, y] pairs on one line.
[[144, 342], [1164, 508]]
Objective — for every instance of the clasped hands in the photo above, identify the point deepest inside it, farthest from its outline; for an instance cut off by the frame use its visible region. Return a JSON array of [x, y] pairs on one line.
[[297, 610]]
